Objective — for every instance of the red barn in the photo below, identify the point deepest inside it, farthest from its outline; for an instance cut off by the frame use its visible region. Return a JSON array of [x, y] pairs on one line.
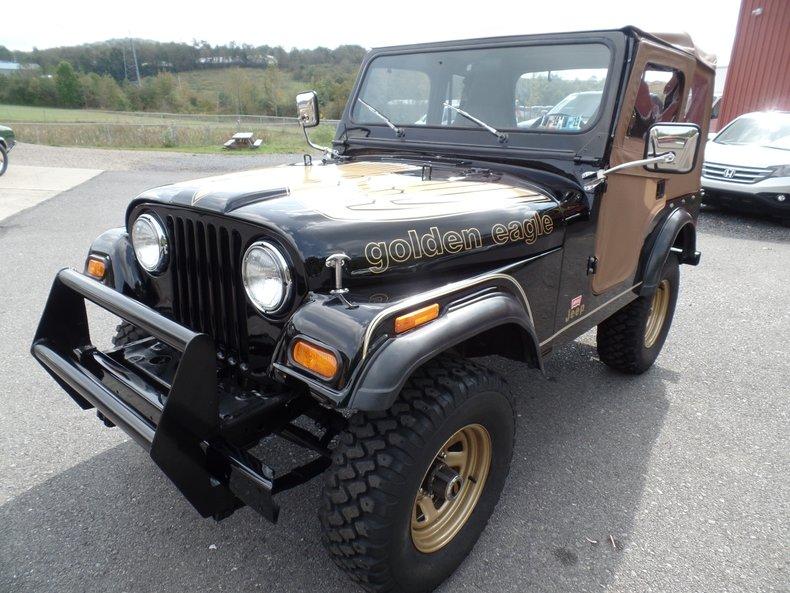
[[758, 77]]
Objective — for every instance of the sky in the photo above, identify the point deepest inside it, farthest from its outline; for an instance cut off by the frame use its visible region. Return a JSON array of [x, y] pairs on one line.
[[371, 23]]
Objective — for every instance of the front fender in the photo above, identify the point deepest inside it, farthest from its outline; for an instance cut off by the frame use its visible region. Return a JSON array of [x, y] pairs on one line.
[[375, 361], [123, 273], [384, 375]]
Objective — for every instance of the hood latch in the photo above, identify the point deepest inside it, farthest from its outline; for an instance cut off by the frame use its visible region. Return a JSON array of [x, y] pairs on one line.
[[337, 261]]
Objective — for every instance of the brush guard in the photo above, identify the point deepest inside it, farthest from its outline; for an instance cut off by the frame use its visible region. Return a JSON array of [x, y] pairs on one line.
[[178, 421]]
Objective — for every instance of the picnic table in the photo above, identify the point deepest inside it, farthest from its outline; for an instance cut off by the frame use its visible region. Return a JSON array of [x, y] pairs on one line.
[[243, 140]]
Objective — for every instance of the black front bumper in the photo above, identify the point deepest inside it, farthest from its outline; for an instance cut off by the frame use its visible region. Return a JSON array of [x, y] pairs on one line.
[[177, 421]]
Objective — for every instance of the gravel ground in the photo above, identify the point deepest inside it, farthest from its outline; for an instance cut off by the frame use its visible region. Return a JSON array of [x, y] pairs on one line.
[[685, 468]]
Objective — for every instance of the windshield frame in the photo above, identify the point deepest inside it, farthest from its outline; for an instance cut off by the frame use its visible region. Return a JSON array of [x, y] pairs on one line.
[[592, 141], [407, 126]]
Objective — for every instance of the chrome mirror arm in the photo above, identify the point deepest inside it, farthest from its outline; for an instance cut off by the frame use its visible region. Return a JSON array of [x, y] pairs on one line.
[[325, 149], [600, 174]]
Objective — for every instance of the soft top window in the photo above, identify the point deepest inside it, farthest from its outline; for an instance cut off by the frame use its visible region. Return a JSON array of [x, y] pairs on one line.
[[545, 88], [657, 100]]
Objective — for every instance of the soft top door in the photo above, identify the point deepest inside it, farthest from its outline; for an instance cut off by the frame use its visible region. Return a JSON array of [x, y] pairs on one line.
[[664, 85]]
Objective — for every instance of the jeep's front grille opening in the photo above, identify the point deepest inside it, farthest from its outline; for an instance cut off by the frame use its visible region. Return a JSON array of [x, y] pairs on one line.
[[207, 292]]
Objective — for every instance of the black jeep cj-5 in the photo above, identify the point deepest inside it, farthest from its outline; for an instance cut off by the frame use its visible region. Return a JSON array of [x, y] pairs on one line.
[[452, 218]]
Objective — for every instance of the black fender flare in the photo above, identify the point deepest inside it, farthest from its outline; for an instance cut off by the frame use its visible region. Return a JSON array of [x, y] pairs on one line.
[[666, 238], [123, 272], [384, 375]]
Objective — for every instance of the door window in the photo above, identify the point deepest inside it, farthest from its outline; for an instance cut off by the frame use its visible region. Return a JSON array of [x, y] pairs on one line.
[[657, 100]]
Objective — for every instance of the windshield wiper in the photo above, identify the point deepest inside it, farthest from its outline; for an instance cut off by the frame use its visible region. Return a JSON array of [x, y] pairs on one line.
[[501, 135], [398, 131]]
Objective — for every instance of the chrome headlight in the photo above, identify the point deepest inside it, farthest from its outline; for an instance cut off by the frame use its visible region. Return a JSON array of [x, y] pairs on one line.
[[150, 243], [267, 279]]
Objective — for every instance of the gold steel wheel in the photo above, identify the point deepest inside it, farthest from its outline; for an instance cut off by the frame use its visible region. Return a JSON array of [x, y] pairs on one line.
[[451, 488], [658, 313]]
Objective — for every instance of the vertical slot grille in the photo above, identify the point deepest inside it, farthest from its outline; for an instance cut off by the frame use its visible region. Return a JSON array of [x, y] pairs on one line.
[[207, 296]]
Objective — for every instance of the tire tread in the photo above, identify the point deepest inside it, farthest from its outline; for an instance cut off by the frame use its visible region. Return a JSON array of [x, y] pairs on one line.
[[126, 333], [373, 456]]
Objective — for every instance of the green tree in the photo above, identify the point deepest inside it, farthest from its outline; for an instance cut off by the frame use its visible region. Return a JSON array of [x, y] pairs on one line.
[[273, 90], [102, 92], [68, 84]]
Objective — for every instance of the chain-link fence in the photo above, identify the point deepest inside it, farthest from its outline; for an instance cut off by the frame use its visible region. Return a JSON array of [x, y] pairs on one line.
[[278, 136]]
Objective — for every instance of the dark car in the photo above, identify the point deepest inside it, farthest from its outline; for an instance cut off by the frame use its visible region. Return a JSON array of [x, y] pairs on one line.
[[572, 113], [339, 305], [7, 141]]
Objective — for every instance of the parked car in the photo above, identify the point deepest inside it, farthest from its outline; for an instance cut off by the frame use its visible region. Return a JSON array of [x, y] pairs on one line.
[[572, 113], [747, 165], [340, 304], [7, 141]]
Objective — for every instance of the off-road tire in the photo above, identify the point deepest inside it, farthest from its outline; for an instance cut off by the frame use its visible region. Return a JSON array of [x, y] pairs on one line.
[[368, 493], [3, 160], [126, 333], [621, 337]]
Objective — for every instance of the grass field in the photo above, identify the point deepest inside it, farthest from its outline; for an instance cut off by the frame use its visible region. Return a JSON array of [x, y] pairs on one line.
[[179, 132], [23, 113]]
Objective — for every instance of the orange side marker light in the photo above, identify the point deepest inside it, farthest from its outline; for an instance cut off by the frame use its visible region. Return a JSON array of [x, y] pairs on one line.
[[96, 268], [314, 358], [416, 318]]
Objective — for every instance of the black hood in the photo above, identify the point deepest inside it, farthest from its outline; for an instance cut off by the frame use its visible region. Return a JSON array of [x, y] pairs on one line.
[[389, 217]]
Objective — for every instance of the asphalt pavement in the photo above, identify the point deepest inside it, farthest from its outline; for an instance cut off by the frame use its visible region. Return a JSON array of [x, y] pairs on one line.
[[677, 480]]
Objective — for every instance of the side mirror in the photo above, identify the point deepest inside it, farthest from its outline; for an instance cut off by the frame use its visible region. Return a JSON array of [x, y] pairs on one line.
[[307, 106], [681, 140]]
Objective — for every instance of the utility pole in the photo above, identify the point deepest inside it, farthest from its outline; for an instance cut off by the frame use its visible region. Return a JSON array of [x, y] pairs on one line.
[[136, 66], [131, 69]]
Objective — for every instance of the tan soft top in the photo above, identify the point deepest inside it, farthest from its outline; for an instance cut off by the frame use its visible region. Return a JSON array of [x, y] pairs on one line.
[[684, 42]]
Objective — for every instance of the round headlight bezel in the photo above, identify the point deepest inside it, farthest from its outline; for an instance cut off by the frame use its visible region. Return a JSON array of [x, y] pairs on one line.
[[161, 239], [285, 274]]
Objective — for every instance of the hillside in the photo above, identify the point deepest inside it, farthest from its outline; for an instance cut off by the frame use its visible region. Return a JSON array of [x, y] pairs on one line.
[[242, 89], [182, 78]]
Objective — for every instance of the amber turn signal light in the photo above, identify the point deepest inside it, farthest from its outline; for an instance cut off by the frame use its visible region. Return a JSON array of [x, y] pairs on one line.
[[96, 268], [416, 318], [314, 358]]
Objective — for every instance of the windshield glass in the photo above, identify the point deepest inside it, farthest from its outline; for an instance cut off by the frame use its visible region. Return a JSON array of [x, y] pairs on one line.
[[583, 104], [556, 88], [763, 129]]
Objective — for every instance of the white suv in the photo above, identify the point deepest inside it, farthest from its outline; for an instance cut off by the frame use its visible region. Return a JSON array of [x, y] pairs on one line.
[[747, 164]]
